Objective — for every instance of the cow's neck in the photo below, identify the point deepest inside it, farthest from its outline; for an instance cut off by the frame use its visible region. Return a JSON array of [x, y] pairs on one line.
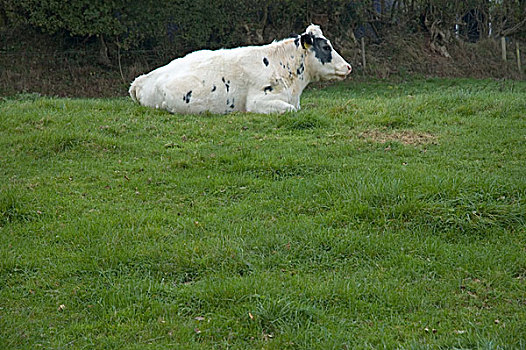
[[292, 56]]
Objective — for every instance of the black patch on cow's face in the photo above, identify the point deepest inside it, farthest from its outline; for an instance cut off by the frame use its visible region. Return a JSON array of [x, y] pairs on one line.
[[322, 50], [267, 89], [186, 98], [306, 40], [214, 88], [265, 61]]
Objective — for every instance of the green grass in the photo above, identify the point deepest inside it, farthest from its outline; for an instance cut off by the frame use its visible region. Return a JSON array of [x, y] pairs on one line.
[[382, 215]]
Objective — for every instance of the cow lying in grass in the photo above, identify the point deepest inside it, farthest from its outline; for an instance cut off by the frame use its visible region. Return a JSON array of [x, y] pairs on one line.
[[261, 79]]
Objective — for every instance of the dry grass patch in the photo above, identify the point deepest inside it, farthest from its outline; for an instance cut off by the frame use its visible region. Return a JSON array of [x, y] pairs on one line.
[[406, 137]]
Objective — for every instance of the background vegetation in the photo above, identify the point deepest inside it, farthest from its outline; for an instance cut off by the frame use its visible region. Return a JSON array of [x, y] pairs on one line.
[[193, 24], [94, 48]]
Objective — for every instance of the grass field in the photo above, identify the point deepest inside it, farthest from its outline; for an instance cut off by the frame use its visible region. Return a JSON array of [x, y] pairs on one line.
[[382, 215]]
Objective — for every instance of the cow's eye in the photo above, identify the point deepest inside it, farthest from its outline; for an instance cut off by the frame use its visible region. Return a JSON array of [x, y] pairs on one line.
[[327, 48]]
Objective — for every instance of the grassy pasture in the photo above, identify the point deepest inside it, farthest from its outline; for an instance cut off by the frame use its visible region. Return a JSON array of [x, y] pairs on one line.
[[382, 215]]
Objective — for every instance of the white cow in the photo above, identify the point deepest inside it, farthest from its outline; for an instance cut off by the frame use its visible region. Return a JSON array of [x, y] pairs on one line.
[[261, 79]]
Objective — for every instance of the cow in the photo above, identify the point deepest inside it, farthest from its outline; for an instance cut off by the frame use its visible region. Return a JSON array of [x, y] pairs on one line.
[[261, 79]]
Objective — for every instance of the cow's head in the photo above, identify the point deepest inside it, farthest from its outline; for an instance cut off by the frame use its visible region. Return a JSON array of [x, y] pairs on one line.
[[323, 61]]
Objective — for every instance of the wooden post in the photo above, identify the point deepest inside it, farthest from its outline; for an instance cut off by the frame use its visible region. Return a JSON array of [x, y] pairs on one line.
[[363, 53], [518, 56], [503, 47]]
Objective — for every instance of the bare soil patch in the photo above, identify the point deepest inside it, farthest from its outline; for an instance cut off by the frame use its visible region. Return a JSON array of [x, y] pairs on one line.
[[406, 137]]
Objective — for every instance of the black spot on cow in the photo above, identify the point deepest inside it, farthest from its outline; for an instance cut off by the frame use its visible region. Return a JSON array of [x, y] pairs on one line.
[[227, 83], [214, 88], [267, 89], [265, 61], [186, 98], [322, 50], [232, 104], [300, 69], [297, 41]]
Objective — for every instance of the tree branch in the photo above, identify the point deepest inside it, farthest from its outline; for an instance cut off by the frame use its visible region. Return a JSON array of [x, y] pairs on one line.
[[514, 29]]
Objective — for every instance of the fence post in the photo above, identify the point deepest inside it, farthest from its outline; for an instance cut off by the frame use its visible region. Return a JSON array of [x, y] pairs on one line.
[[503, 47], [518, 56]]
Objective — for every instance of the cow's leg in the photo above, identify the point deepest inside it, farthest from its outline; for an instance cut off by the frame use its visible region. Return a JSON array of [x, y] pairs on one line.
[[261, 104]]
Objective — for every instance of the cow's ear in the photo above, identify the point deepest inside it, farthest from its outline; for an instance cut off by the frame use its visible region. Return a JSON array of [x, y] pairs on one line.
[[306, 40]]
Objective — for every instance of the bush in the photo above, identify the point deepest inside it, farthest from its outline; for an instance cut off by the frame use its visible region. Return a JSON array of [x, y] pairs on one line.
[[183, 25], [190, 24]]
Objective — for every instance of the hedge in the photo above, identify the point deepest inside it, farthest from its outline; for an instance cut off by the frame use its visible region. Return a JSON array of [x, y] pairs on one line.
[[185, 25]]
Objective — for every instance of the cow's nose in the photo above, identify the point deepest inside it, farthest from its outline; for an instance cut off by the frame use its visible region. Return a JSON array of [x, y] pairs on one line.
[[349, 68]]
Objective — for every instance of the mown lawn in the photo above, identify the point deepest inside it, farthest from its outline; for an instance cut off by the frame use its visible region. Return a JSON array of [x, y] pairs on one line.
[[382, 215]]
